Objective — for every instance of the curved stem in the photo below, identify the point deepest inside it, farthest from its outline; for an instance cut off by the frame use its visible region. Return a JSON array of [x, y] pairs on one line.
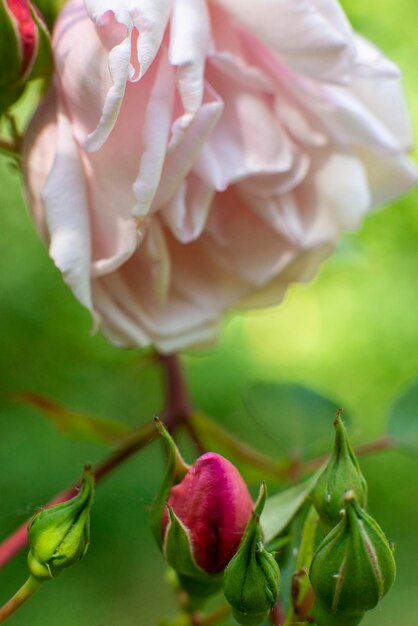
[[18, 539], [25, 592], [177, 409]]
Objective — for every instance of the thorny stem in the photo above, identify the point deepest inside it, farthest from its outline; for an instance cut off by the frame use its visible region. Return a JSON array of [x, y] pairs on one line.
[[177, 408], [25, 592]]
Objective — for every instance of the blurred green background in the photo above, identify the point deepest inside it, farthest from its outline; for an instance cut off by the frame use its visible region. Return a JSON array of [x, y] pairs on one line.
[[352, 335]]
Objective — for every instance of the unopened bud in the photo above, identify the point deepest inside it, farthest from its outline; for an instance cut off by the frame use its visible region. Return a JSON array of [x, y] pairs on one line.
[[199, 517], [352, 569], [341, 474], [252, 578], [25, 50], [59, 536]]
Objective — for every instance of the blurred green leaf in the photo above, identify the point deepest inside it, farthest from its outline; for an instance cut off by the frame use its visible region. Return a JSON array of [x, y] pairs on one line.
[[253, 464], [403, 419], [299, 419], [282, 508], [97, 430]]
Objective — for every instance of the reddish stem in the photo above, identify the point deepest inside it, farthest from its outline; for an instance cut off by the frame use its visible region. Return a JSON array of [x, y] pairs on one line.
[[178, 406], [18, 539], [177, 409], [277, 615]]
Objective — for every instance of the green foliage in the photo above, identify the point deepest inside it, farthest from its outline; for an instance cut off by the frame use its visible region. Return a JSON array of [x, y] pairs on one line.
[[303, 415], [282, 508], [102, 431], [403, 419]]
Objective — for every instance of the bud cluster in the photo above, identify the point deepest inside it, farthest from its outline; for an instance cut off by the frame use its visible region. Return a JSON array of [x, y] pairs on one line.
[[210, 534], [353, 567]]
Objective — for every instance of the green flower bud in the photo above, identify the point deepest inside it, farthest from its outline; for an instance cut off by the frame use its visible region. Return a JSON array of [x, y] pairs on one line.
[[341, 474], [252, 577], [59, 536], [352, 569]]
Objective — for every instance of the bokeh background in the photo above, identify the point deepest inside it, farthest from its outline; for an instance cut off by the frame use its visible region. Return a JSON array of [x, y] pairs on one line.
[[351, 335]]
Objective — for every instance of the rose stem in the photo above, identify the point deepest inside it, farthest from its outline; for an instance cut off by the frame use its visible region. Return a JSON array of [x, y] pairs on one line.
[[176, 409], [24, 593]]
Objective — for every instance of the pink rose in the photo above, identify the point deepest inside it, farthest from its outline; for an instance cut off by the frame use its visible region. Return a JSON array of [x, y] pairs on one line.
[[197, 155], [215, 506]]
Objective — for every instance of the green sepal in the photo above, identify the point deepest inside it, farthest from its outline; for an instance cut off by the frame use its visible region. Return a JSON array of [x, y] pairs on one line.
[[323, 617], [353, 567], [49, 10], [252, 577], [176, 469], [178, 553], [10, 52], [341, 474], [60, 535], [43, 63]]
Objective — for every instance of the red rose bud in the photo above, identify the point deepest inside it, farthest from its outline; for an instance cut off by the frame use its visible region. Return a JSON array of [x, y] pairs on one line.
[[214, 505], [25, 51]]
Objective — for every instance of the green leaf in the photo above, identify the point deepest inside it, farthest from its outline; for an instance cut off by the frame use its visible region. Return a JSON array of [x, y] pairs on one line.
[[252, 464], [296, 419], [282, 508], [403, 419], [97, 430]]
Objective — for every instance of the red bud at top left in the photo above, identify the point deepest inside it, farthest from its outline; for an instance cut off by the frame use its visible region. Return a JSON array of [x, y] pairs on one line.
[[25, 50]]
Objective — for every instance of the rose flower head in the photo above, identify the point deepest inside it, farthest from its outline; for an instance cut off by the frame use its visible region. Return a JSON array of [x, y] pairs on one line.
[[197, 155]]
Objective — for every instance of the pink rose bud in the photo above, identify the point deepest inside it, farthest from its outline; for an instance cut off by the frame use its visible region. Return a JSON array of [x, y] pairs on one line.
[[25, 51], [214, 505]]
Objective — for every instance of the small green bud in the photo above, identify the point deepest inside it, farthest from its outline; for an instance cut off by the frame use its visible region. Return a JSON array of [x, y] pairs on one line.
[[341, 474], [352, 569], [59, 536], [252, 577]]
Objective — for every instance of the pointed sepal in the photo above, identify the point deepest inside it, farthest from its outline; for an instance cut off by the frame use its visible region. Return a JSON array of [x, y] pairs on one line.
[[341, 474], [352, 569], [252, 578], [178, 553], [175, 470]]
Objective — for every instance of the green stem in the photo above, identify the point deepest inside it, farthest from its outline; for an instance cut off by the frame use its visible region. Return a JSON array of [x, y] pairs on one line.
[[25, 592], [302, 598]]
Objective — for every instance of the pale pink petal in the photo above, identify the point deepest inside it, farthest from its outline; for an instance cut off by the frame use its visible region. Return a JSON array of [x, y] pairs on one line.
[[189, 135], [155, 137], [145, 23], [39, 147], [65, 202], [189, 43], [311, 36], [188, 210]]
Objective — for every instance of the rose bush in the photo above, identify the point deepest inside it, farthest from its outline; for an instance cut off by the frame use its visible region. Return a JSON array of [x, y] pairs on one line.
[[194, 155]]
